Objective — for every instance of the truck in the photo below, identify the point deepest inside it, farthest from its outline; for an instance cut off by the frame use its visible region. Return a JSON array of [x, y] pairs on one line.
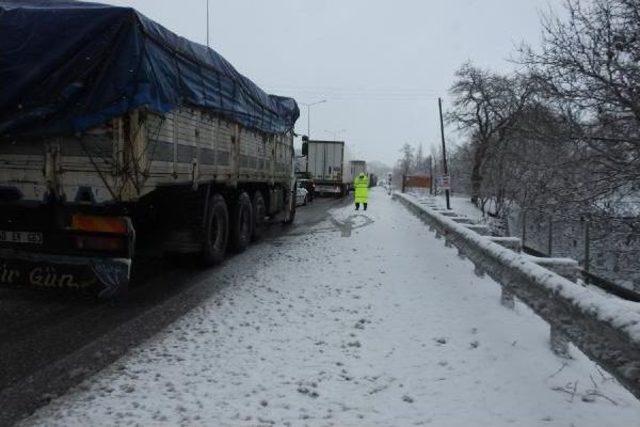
[[357, 167], [115, 131], [328, 166]]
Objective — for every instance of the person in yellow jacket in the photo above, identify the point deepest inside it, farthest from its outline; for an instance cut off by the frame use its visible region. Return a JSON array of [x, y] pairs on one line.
[[361, 186]]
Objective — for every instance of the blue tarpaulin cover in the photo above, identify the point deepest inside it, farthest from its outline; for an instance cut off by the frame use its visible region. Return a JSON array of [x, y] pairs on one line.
[[67, 66]]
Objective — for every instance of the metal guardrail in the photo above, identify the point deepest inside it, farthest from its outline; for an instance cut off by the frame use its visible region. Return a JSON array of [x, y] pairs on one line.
[[591, 279], [610, 287], [583, 317]]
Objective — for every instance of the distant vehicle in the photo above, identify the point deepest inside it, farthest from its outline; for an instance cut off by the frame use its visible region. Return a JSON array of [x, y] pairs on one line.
[[356, 167], [300, 164], [308, 185], [326, 164], [302, 196]]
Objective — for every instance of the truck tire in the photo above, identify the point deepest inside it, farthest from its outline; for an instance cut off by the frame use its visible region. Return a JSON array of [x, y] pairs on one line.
[[292, 215], [241, 223], [216, 233], [259, 214]]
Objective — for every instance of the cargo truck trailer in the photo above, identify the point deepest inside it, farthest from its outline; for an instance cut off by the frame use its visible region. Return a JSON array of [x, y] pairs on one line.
[[328, 166], [112, 127]]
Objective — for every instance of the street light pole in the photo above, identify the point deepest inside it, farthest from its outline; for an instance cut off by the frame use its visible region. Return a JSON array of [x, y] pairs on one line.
[[207, 23], [444, 152], [431, 175], [309, 115]]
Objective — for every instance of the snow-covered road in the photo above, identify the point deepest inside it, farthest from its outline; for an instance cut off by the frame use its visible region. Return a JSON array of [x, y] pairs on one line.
[[367, 319]]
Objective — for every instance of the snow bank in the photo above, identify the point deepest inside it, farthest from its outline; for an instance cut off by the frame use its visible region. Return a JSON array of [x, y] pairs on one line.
[[611, 330]]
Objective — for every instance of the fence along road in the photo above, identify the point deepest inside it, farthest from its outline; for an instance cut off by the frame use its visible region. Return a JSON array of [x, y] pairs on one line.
[[604, 330]]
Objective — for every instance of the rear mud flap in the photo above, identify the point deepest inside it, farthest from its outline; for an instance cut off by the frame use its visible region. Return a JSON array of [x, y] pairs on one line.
[[113, 274], [108, 276]]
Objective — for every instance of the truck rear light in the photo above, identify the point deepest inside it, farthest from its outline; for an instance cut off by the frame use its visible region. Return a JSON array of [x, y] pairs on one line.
[[99, 224], [99, 243]]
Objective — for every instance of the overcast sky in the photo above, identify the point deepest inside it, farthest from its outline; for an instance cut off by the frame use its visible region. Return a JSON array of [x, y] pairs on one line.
[[379, 64]]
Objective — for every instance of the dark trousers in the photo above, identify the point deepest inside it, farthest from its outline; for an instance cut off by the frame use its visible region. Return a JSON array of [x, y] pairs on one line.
[[358, 206]]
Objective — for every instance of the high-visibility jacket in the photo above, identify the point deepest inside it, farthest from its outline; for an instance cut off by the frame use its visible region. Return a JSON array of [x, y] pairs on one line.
[[361, 185]]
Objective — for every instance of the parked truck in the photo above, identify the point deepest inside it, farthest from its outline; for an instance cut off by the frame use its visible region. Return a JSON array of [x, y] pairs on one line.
[[113, 128], [327, 163], [357, 167]]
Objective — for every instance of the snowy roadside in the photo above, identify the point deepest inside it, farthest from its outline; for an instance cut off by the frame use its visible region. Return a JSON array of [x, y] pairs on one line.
[[368, 319], [460, 204], [463, 206]]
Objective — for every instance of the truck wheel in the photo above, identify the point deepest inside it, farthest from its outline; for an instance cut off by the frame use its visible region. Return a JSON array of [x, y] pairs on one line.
[[216, 232], [292, 214], [241, 223], [259, 213]]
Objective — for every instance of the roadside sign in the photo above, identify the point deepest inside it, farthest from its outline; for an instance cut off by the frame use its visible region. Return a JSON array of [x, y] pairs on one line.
[[444, 182], [418, 181]]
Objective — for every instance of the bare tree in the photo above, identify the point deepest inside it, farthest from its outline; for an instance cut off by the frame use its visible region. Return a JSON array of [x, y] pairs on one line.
[[486, 105], [407, 159], [589, 69]]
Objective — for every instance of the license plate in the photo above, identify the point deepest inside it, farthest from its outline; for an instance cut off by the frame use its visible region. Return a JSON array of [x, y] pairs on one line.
[[28, 237]]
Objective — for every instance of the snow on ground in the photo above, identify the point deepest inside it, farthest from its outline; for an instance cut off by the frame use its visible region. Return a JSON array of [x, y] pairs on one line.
[[460, 204], [365, 320]]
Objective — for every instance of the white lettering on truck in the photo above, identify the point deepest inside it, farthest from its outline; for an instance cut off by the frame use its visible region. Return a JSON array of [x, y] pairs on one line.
[[49, 278], [7, 275]]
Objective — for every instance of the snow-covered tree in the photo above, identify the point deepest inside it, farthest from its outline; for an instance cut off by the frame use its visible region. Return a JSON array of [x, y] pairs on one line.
[[486, 105]]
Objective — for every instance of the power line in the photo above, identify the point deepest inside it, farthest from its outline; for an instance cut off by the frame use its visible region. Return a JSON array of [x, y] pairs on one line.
[[357, 94]]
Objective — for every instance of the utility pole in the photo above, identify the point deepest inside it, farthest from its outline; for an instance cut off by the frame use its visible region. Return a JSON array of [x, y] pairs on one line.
[[207, 23], [444, 152], [431, 175]]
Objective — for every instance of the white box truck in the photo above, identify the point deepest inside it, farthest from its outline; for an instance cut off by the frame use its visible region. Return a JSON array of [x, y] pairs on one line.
[[328, 167]]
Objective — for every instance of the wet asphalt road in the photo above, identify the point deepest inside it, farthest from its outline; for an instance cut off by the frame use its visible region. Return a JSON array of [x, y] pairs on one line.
[[50, 342]]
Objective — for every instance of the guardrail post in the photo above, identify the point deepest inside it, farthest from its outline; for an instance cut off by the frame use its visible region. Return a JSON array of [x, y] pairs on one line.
[[478, 270], [565, 267], [507, 299], [559, 343]]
